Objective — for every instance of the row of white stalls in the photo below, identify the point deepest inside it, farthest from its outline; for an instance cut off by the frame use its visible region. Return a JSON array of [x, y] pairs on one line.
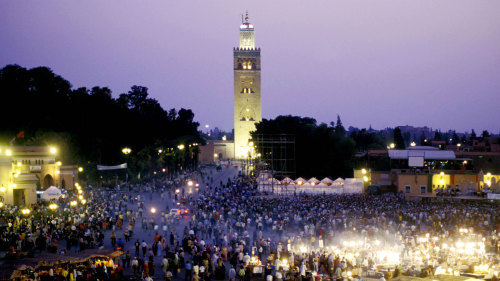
[[311, 186]]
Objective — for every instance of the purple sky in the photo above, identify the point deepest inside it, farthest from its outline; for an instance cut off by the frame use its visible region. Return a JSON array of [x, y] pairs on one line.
[[384, 63]]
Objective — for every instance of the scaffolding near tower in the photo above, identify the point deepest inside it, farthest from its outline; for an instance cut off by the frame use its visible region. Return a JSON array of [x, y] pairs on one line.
[[276, 154]]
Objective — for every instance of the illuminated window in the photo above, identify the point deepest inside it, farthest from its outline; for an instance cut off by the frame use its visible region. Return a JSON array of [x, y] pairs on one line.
[[249, 65], [247, 91], [245, 65]]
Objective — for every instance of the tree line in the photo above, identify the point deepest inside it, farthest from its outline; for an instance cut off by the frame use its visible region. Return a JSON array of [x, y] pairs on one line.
[[90, 127]]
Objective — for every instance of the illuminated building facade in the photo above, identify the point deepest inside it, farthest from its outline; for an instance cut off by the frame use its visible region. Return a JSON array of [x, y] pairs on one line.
[[26, 170], [247, 94]]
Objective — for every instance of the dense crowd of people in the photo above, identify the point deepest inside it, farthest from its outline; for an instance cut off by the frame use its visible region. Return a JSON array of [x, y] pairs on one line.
[[231, 231]]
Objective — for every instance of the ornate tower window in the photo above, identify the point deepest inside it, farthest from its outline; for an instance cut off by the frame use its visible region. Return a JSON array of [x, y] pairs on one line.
[[247, 90]]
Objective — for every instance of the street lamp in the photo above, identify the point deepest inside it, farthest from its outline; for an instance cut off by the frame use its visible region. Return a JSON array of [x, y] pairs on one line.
[[392, 146], [153, 210], [80, 169], [190, 183], [25, 212], [73, 203], [126, 150], [180, 146], [53, 150], [53, 206]]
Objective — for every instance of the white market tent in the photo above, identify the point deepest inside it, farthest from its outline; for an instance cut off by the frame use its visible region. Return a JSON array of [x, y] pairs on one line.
[[313, 181], [338, 182], [51, 193], [300, 181], [312, 186], [353, 185], [327, 180]]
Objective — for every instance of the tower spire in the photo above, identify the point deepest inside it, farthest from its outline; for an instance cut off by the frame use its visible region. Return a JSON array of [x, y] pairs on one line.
[[246, 17]]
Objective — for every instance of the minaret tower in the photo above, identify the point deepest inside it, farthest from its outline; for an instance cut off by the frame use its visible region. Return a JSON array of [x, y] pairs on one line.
[[247, 102]]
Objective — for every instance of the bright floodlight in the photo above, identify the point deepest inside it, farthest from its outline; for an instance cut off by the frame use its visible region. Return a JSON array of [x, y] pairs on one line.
[[53, 150]]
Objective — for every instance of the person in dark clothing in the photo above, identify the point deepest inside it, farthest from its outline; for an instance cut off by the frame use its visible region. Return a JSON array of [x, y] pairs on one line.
[[189, 271], [248, 274], [137, 245]]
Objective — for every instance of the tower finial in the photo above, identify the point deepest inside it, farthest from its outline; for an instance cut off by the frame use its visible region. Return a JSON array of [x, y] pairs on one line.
[[246, 17]]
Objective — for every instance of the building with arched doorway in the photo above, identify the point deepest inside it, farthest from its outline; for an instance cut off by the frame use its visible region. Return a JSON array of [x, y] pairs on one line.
[[26, 170]]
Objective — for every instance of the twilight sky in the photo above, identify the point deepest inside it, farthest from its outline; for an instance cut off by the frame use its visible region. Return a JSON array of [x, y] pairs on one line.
[[384, 63]]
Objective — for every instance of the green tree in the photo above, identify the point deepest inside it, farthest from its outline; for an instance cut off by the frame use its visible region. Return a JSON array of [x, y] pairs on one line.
[[319, 150], [398, 139]]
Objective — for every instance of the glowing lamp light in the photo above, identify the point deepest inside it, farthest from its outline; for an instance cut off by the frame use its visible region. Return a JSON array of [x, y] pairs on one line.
[[126, 150], [413, 143], [14, 185], [84, 201], [8, 152], [177, 190], [2, 188], [53, 150], [488, 174], [299, 182], [392, 145], [180, 146], [25, 212], [80, 169], [441, 173], [80, 191], [80, 197], [365, 178], [19, 164], [153, 210], [53, 206], [1, 204], [190, 183], [58, 172], [363, 171], [58, 163], [73, 203]]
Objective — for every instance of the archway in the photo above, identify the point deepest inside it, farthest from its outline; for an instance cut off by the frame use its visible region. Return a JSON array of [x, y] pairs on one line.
[[48, 181]]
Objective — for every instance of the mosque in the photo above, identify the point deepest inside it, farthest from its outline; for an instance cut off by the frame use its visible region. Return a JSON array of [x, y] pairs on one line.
[[247, 101]]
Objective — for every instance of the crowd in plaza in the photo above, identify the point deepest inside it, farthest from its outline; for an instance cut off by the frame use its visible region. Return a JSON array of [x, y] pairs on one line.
[[233, 232]]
